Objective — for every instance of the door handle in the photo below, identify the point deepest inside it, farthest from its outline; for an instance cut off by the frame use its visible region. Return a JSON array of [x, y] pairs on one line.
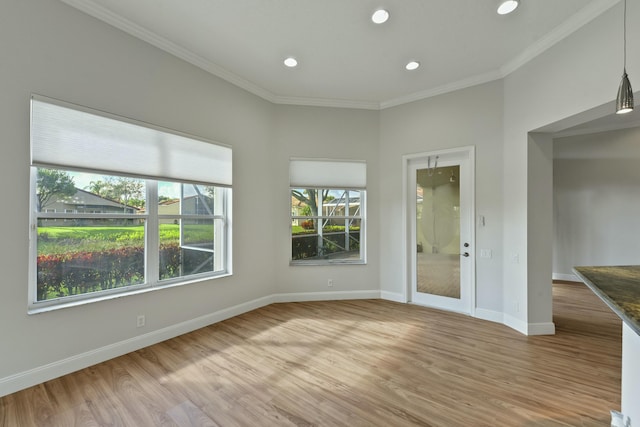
[[466, 254]]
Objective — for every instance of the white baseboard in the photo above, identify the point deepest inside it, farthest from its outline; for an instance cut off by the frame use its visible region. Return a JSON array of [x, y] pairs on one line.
[[515, 323], [392, 296], [546, 328], [565, 277], [490, 315], [326, 296], [40, 374]]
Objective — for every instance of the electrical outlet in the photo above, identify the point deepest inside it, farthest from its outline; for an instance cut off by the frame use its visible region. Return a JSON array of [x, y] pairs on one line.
[[140, 321], [330, 283]]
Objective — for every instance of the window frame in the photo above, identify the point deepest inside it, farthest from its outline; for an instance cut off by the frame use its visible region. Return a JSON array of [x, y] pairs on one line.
[[150, 219], [221, 225], [362, 259]]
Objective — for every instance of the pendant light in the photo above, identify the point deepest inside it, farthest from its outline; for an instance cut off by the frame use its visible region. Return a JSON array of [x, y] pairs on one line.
[[624, 100]]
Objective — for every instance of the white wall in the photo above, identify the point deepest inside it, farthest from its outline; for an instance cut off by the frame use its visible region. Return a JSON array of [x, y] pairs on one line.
[[57, 51], [60, 52], [578, 74], [54, 50], [471, 116], [596, 200], [334, 133]]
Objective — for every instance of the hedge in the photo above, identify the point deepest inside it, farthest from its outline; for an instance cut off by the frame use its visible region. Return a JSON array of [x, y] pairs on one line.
[[60, 275], [305, 246]]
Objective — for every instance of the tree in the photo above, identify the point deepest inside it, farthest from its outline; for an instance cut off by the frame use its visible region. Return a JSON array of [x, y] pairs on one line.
[[310, 198], [96, 187], [53, 182], [127, 191]]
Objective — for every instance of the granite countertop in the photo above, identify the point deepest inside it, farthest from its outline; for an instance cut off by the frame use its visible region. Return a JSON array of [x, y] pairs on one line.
[[618, 287]]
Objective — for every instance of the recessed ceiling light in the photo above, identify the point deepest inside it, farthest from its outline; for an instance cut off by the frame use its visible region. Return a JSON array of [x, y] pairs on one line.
[[380, 16], [291, 62], [507, 6], [412, 65]]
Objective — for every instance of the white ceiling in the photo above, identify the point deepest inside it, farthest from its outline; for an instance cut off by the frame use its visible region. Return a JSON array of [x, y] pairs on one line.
[[345, 59]]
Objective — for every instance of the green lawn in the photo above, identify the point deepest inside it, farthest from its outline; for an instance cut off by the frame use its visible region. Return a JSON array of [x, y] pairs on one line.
[[57, 240]]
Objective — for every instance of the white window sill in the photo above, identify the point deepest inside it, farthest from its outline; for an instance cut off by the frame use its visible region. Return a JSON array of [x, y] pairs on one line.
[[37, 308]]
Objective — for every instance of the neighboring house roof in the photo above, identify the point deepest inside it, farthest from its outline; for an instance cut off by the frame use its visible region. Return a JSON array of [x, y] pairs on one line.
[[86, 198]]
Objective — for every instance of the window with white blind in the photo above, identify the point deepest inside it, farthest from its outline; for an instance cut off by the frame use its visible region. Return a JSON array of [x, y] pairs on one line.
[[328, 205], [120, 206]]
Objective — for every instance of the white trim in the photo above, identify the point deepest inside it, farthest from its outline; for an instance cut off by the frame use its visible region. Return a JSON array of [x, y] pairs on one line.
[[93, 9], [322, 102], [47, 372], [630, 388], [56, 369], [515, 323], [152, 280], [565, 277], [490, 315], [472, 226], [407, 247], [575, 22], [546, 328], [326, 296], [406, 219], [40, 374], [441, 90], [392, 296]]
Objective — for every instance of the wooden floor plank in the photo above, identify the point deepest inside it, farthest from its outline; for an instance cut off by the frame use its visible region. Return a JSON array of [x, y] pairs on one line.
[[350, 363], [187, 414]]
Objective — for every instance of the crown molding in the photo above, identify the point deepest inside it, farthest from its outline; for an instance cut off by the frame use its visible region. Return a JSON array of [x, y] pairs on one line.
[[440, 90], [574, 23], [326, 102], [578, 20], [91, 8]]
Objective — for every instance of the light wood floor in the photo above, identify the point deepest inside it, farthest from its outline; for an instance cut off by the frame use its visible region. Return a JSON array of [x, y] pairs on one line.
[[350, 363]]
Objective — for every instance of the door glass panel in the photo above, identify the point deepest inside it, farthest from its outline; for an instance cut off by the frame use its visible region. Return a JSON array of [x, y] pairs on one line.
[[438, 231]]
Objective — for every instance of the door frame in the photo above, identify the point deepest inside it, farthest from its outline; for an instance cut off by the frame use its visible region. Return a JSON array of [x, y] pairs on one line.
[[407, 230]]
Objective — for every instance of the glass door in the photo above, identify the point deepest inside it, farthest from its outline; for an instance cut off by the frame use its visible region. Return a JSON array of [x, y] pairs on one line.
[[441, 231]]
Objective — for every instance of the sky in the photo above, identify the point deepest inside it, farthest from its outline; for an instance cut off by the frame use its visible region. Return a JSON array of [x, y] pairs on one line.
[[83, 180]]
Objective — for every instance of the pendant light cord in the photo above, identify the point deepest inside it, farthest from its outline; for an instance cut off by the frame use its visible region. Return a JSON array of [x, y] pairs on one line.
[[624, 36]]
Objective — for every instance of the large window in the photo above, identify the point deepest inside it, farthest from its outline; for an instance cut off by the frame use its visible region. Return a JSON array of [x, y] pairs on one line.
[[118, 207], [327, 211]]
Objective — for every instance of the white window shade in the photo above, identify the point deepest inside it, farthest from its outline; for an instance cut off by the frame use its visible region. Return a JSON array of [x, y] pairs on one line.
[[307, 173], [67, 136]]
